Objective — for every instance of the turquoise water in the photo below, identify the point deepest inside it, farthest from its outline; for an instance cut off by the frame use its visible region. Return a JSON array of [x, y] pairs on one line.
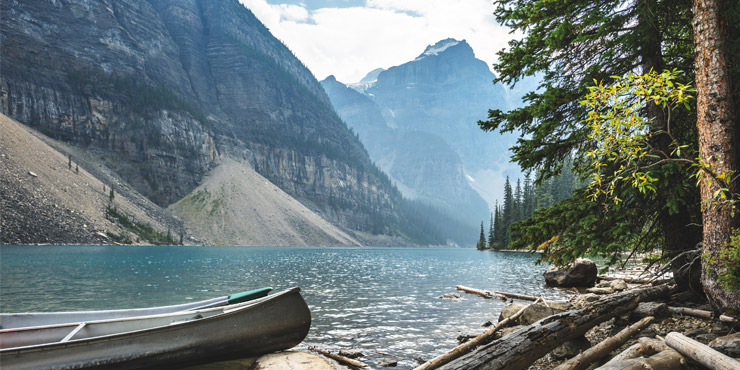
[[367, 299]]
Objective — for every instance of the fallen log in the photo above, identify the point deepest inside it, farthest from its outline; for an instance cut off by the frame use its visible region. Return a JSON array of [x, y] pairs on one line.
[[702, 314], [667, 359], [644, 347], [520, 349], [701, 353], [340, 359], [471, 344], [601, 350], [517, 296], [483, 293], [629, 280]]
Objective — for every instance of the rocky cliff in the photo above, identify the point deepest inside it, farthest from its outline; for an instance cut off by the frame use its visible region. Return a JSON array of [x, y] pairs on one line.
[[168, 87], [418, 121]]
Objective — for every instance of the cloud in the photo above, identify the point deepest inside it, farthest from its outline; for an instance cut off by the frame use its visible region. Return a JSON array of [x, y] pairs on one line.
[[348, 42]]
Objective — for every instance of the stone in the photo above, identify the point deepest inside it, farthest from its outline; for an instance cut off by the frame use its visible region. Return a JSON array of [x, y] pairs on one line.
[[420, 360], [720, 328], [584, 300], [450, 296], [506, 331], [509, 310], [618, 285], [536, 312], [388, 363], [729, 345], [654, 309], [582, 273], [571, 348], [695, 332]]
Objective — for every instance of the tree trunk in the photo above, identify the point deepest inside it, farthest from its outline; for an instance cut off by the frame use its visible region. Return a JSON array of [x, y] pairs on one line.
[[520, 349], [663, 360], [701, 353], [599, 351], [715, 126]]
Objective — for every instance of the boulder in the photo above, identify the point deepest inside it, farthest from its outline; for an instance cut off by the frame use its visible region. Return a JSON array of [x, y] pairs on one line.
[[584, 300], [536, 312], [654, 309], [618, 285], [509, 310], [598, 290], [582, 273], [729, 345], [388, 363], [571, 348], [450, 296]]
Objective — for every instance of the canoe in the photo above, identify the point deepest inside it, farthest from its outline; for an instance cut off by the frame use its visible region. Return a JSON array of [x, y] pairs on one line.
[[276, 322], [26, 319]]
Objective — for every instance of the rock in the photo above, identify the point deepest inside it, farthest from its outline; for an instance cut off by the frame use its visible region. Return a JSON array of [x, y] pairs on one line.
[[506, 331], [388, 363], [536, 312], [618, 285], [509, 310], [571, 348], [487, 324], [33, 174], [720, 328], [584, 300], [582, 273], [420, 360], [450, 296], [706, 338], [729, 344], [687, 296], [462, 338], [602, 291], [351, 354], [695, 332], [655, 309]]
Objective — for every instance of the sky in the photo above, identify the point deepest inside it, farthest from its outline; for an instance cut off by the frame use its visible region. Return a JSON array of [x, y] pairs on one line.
[[349, 38]]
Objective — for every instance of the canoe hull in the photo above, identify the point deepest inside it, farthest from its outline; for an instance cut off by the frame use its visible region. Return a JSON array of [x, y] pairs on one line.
[[274, 324]]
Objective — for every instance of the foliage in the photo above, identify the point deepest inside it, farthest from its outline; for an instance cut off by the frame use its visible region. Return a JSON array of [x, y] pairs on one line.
[[144, 231], [568, 45], [621, 134], [729, 271], [482, 240]]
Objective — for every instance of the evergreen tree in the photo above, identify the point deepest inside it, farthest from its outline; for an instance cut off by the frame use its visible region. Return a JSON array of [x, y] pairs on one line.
[[517, 210], [570, 44], [498, 228], [482, 240], [508, 212], [491, 233]]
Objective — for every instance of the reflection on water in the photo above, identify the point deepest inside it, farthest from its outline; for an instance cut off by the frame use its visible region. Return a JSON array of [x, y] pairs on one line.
[[367, 299]]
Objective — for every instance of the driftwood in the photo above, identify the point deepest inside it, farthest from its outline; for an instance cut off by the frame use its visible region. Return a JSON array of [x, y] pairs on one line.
[[520, 349], [483, 293], [495, 294], [667, 359], [471, 344], [635, 280], [701, 353], [341, 359], [702, 314], [644, 347], [584, 359]]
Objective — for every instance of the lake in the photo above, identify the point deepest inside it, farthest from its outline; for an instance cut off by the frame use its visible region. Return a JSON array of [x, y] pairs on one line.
[[366, 299]]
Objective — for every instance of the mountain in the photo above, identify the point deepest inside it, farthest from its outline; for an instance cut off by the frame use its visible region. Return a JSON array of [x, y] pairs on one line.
[[418, 121], [167, 90]]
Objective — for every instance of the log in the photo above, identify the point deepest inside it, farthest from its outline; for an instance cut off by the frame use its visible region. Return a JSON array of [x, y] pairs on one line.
[[471, 344], [635, 280], [701, 353], [643, 348], [517, 296], [520, 349], [702, 314], [483, 293], [601, 350], [341, 359], [667, 359]]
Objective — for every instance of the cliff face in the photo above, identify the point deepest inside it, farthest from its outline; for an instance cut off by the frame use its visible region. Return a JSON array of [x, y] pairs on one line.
[[418, 121], [169, 86]]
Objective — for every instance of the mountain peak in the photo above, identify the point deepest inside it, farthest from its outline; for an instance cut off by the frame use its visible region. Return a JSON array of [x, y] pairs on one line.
[[440, 47]]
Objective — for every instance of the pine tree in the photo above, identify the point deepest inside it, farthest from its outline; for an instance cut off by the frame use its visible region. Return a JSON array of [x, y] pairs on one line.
[[491, 234], [482, 240], [507, 213], [571, 44], [517, 210]]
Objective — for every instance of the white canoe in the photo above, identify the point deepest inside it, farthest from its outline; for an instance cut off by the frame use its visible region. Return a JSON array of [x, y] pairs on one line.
[[269, 324], [26, 319]]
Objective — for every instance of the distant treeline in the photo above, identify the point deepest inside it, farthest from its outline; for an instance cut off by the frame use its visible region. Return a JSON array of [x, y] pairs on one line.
[[519, 203]]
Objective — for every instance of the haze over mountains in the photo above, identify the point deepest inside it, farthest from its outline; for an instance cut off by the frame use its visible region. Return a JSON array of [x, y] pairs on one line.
[[418, 123]]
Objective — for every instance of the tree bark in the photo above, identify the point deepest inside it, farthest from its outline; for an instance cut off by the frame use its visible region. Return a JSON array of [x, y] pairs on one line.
[[668, 359], [584, 359], [483, 293], [716, 145], [701, 353], [520, 349], [338, 358], [703, 314]]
